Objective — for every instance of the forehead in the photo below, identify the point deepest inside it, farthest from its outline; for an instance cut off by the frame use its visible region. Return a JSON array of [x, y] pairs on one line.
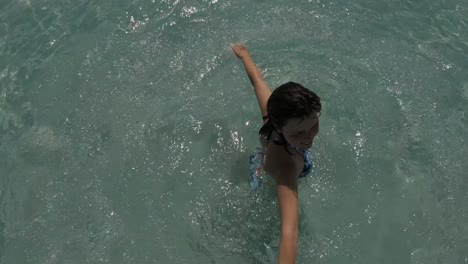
[[300, 124]]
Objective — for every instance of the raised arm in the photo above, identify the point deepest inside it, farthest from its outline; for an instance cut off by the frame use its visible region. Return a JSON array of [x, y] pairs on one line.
[[262, 91]]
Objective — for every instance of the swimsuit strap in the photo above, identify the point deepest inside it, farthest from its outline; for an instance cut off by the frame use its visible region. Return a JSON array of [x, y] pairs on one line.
[[300, 151]]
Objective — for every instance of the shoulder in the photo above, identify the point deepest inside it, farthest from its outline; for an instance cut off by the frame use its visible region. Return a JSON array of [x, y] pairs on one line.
[[283, 166]]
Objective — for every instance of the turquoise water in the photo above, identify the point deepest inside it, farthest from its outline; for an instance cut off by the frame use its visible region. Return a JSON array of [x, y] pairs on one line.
[[126, 128]]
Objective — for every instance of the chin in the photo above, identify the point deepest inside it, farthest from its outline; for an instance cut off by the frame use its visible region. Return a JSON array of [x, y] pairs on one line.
[[308, 146]]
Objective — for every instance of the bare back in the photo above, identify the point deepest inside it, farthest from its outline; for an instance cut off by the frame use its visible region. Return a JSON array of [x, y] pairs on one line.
[[276, 155]]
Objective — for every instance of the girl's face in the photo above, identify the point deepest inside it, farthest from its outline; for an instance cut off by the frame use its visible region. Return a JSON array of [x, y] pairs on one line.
[[300, 132]]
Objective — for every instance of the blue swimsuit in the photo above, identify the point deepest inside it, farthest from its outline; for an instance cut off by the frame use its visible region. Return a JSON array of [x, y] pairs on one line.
[[308, 164]]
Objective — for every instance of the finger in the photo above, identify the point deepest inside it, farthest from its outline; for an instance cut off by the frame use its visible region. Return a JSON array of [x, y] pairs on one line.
[[234, 47]]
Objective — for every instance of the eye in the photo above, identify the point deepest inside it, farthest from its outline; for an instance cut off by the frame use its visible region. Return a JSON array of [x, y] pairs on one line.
[[298, 134]]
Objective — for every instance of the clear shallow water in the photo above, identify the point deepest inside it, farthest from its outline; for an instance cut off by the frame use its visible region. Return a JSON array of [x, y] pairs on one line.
[[126, 128]]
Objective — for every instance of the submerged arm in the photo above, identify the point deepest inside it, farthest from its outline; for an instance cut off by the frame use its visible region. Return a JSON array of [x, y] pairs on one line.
[[288, 203]]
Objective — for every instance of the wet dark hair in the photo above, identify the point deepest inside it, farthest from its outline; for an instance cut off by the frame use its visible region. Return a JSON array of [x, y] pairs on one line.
[[290, 100]]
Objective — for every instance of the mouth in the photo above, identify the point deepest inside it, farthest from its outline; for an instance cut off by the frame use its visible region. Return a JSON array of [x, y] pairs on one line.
[[306, 144]]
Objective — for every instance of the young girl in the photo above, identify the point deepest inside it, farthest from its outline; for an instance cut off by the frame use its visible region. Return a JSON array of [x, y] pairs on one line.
[[290, 115]]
